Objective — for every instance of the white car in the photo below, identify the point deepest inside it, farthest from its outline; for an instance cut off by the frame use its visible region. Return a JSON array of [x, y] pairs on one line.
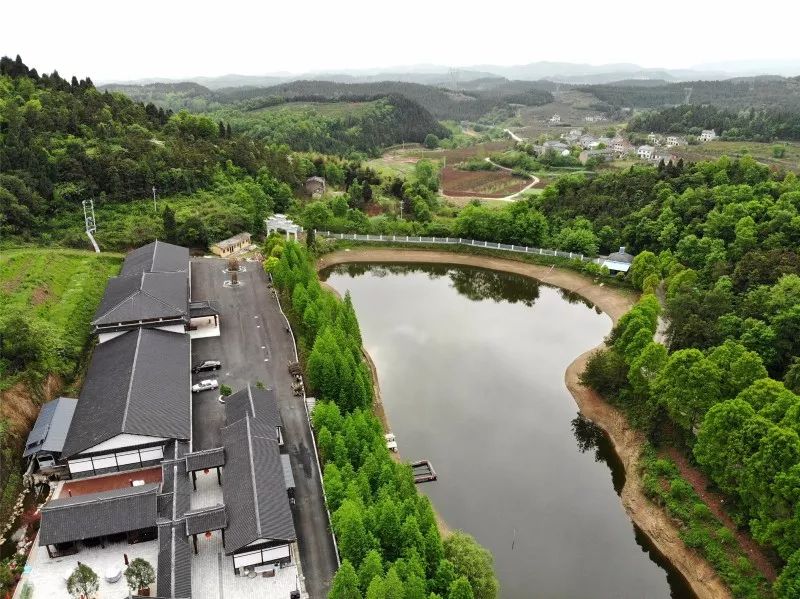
[[205, 385]]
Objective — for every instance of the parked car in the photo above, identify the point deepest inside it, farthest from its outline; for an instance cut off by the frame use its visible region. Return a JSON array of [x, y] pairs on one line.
[[207, 365], [205, 385]]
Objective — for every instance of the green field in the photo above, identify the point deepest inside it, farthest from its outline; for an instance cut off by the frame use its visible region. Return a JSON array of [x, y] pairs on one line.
[[763, 152], [57, 292], [332, 109]]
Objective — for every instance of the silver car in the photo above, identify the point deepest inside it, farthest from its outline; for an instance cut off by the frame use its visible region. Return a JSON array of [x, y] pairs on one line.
[[205, 385]]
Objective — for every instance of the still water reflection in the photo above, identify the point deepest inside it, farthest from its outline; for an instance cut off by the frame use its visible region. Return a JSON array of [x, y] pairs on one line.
[[471, 365]]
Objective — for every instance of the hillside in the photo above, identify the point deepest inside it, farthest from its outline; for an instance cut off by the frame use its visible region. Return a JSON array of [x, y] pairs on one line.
[[735, 94], [440, 102], [62, 142], [48, 299], [475, 97], [363, 125]]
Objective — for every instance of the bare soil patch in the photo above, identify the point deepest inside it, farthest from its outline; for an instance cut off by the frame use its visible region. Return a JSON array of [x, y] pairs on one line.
[[487, 184], [40, 295]]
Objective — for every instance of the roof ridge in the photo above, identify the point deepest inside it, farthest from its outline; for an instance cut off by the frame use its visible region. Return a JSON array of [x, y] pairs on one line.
[[130, 382], [253, 475], [250, 398], [91, 497], [155, 249], [122, 301]]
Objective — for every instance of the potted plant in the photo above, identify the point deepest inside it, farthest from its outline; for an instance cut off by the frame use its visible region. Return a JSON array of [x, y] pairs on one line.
[[82, 583], [140, 575]]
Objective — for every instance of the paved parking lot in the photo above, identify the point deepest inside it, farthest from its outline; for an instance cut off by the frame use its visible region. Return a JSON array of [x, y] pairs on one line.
[[254, 346]]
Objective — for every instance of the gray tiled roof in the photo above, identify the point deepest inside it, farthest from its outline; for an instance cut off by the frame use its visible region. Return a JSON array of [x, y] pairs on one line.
[[98, 514], [137, 383], [174, 572], [205, 519], [206, 458], [288, 477], [144, 296], [254, 488], [258, 403], [52, 425], [156, 257], [202, 308]]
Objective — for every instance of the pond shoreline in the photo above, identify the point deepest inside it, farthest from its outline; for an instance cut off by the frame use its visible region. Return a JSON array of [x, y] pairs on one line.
[[651, 519]]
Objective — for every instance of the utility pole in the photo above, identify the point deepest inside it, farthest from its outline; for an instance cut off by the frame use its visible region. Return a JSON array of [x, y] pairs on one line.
[[154, 200], [91, 224], [401, 209]]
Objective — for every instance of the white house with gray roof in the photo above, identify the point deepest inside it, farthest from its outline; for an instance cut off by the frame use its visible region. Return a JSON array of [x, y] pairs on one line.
[[136, 397]]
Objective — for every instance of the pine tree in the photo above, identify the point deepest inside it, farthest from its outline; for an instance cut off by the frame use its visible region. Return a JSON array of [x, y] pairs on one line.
[[460, 589], [228, 131], [221, 126], [371, 567], [345, 583]]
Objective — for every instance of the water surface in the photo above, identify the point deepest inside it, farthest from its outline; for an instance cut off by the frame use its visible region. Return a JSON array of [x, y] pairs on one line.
[[471, 366]]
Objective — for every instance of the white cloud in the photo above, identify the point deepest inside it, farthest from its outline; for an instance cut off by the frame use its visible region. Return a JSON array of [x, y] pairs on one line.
[[109, 40]]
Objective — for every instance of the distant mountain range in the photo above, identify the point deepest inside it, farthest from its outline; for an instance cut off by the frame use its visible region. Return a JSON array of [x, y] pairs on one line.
[[563, 72]]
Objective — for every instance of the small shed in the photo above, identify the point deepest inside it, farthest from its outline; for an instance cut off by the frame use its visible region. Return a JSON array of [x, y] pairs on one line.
[[46, 440], [618, 261], [315, 186], [230, 246]]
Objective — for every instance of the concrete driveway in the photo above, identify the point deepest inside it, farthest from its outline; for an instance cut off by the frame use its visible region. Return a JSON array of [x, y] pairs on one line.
[[254, 346]]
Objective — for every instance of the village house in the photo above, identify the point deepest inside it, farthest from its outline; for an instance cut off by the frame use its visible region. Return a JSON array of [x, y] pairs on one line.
[[644, 152], [556, 146], [660, 154], [708, 135], [654, 138], [586, 141], [555, 119], [573, 136], [618, 261], [315, 187], [676, 140], [230, 246], [622, 147]]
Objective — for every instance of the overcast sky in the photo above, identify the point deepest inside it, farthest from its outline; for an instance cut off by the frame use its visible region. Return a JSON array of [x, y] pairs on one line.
[[170, 38]]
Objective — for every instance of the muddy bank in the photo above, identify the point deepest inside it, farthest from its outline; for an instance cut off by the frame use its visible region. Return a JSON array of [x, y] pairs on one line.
[[651, 519]]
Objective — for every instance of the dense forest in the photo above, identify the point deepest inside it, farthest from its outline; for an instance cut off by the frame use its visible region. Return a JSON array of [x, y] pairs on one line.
[[752, 124], [367, 127], [64, 141]]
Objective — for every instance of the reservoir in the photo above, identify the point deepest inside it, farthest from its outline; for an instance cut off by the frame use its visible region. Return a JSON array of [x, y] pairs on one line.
[[471, 367]]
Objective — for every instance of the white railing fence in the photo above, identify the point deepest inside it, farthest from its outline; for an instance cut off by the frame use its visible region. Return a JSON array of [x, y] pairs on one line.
[[520, 249]]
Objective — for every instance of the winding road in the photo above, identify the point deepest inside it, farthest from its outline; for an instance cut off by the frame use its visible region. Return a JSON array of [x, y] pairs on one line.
[[534, 181]]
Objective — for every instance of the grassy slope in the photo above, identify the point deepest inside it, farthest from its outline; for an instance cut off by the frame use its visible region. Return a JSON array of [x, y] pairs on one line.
[[333, 109], [62, 287]]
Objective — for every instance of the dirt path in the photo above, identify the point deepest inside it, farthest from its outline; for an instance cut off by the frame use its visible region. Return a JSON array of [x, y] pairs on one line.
[[651, 519], [716, 502]]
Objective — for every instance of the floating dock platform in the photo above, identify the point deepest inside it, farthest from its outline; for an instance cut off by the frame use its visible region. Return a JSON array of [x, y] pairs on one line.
[[423, 471]]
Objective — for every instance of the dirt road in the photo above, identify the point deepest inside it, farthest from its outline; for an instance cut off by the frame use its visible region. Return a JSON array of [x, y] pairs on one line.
[[627, 442]]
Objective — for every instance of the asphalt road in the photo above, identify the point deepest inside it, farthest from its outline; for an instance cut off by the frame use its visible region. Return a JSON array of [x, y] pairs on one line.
[[254, 346]]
